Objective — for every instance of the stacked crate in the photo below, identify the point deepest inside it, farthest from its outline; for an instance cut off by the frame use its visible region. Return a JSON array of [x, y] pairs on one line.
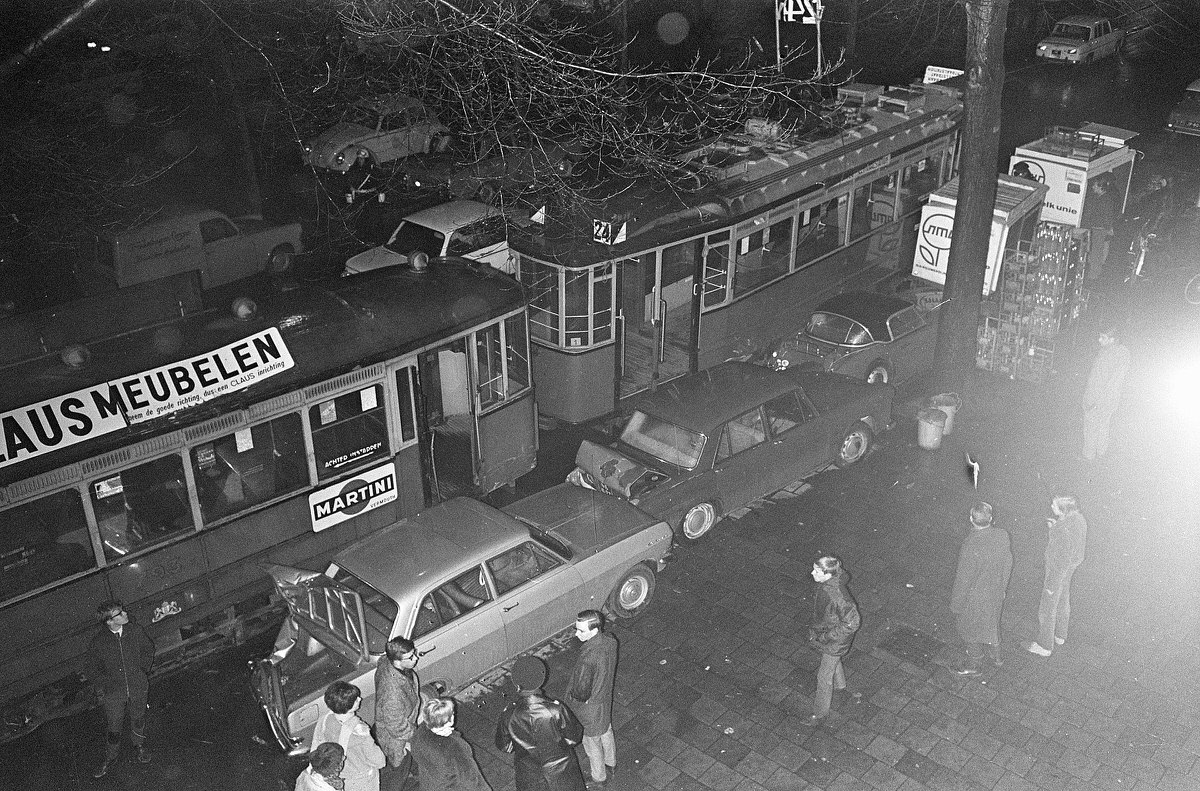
[[1041, 295]]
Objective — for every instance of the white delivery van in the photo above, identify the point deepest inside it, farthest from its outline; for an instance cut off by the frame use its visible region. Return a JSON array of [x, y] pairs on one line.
[[467, 228]]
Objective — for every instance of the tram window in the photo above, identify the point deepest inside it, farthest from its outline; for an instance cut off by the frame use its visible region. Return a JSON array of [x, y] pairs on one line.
[[406, 392], [603, 288], [141, 505], [517, 348], [541, 280], [716, 269], [578, 315], [249, 467], [489, 360], [918, 180], [874, 205], [348, 431], [43, 541], [819, 230]]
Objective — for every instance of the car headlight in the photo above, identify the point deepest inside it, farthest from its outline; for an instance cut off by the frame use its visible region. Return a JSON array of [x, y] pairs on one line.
[[307, 150], [777, 363], [340, 158], [1072, 51], [1042, 47]]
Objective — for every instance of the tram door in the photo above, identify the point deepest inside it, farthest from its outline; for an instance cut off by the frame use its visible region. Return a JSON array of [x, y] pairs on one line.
[[658, 311], [446, 411]]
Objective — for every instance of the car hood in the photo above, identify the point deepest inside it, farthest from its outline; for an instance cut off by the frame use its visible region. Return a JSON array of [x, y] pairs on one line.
[[1060, 41], [804, 351], [337, 137], [375, 258], [613, 472]]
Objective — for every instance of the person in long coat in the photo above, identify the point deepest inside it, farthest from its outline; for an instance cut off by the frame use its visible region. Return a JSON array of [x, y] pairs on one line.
[[980, 584], [541, 733], [835, 621], [1102, 394]]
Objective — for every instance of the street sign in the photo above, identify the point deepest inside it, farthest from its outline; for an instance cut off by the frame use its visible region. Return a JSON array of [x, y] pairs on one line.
[[602, 232], [807, 12]]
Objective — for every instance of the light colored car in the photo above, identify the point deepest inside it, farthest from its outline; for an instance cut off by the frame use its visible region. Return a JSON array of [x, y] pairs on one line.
[[875, 337], [465, 228], [1081, 39], [1185, 118], [707, 444], [470, 585], [381, 130]]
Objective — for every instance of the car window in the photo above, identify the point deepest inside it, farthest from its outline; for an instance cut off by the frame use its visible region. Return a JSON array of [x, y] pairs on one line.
[[663, 440], [830, 327], [460, 595], [519, 565], [410, 237], [858, 335], [216, 228], [1073, 32], [905, 321], [476, 235], [741, 434], [786, 412]]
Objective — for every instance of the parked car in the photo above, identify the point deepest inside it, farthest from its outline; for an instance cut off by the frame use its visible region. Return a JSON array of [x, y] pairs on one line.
[[466, 228], [875, 337], [516, 171], [191, 239], [381, 130], [707, 444], [1185, 118], [1081, 39], [471, 585]]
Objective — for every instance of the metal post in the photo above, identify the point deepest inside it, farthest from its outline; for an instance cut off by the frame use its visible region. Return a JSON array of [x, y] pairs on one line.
[[778, 57]]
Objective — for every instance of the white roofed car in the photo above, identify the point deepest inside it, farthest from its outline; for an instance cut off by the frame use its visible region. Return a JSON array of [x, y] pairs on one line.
[[464, 228], [1081, 39], [1185, 118], [470, 585]]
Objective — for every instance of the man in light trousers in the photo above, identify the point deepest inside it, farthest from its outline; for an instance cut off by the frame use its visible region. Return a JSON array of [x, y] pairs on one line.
[[590, 694], [1064, 553]]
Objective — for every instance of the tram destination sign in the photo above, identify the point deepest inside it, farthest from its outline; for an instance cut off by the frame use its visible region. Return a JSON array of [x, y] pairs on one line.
[[66, 420], [345, 500]]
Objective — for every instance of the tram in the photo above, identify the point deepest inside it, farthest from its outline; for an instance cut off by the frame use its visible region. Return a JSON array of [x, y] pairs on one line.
[[158, 450], [666, 283]]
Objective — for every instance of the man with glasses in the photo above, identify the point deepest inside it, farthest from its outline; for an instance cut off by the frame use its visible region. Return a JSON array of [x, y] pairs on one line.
[[118, 664], [397, 705]]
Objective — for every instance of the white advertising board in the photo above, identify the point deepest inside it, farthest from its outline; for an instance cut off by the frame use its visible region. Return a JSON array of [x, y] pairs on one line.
[[342, 501]]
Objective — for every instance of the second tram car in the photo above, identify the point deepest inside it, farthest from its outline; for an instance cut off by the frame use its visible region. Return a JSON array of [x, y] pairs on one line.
[[161, 459]]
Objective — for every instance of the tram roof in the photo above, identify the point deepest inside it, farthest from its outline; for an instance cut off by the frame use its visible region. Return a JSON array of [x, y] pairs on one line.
[[330, 328], [703, 401]]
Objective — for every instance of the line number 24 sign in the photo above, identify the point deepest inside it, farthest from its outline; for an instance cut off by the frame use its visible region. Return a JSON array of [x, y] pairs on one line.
[[806, 12]]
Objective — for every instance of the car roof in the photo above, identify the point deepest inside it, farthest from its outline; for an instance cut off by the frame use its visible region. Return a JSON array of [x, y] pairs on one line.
[[703, 401], [446, 538], [449, 217], [867, 308]]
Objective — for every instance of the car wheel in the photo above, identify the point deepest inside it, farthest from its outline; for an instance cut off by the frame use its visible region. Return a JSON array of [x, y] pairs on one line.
[[699, 519], [633, 593], [855, 445], [280, 261], [878, 373]]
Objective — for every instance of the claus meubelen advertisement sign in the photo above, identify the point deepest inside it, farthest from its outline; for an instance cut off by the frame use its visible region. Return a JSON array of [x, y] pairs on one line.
[[92, 412]]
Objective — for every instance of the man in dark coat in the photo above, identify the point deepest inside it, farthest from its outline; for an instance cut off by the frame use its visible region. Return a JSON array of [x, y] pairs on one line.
[[835, 620], [397, 708], [1103, 393], [980, 584], [541, 732], [445, 760], [1064, 553], [118, 664], [590, 694]]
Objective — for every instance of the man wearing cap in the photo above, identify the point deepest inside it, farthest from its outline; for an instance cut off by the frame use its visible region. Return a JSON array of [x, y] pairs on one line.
[[980, 584], [541, 733], [1103, 393]]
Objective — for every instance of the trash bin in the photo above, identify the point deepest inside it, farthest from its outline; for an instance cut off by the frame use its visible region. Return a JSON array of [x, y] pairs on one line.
[[949, 403], [931, 424]]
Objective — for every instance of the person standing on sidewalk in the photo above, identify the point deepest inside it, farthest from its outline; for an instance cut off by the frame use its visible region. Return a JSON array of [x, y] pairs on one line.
[[541, 733], [1064, 553], [397, 708], [342, 724], [980, 584], [590, 694], [446, 760], [1103, 393], [835, 621], [118, 664]]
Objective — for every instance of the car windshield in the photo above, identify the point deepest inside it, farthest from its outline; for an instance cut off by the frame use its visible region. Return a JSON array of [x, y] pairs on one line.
[[665, 441], [379, 610], [410, 237], [832, 328], [1073, 32]]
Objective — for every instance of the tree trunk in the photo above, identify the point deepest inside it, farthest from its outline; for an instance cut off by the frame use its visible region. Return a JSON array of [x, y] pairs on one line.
[[954, 358]]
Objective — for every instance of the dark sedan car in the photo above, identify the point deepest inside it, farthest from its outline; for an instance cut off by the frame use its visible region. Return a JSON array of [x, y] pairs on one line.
[[867, 335], [709, 443]]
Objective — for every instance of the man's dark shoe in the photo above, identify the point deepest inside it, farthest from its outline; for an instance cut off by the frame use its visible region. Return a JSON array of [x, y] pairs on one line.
[[143, 757], [101, 770], [610, 770]]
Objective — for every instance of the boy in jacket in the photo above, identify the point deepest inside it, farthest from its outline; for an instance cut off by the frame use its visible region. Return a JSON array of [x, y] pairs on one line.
[[341, 724], [118, 664], [835, 620]]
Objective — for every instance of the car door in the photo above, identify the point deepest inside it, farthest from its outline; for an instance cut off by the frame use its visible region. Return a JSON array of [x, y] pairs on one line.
[[459, 631], [911, 348], [796, 446], [227, 253], [739, 475], [535, 592]]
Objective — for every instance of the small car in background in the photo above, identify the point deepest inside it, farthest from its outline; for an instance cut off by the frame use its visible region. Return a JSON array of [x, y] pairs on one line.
[[466, 228], [379, 131], [877, 338], [1081, 39], [712, 442], [1185, 118], [471, 585]]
